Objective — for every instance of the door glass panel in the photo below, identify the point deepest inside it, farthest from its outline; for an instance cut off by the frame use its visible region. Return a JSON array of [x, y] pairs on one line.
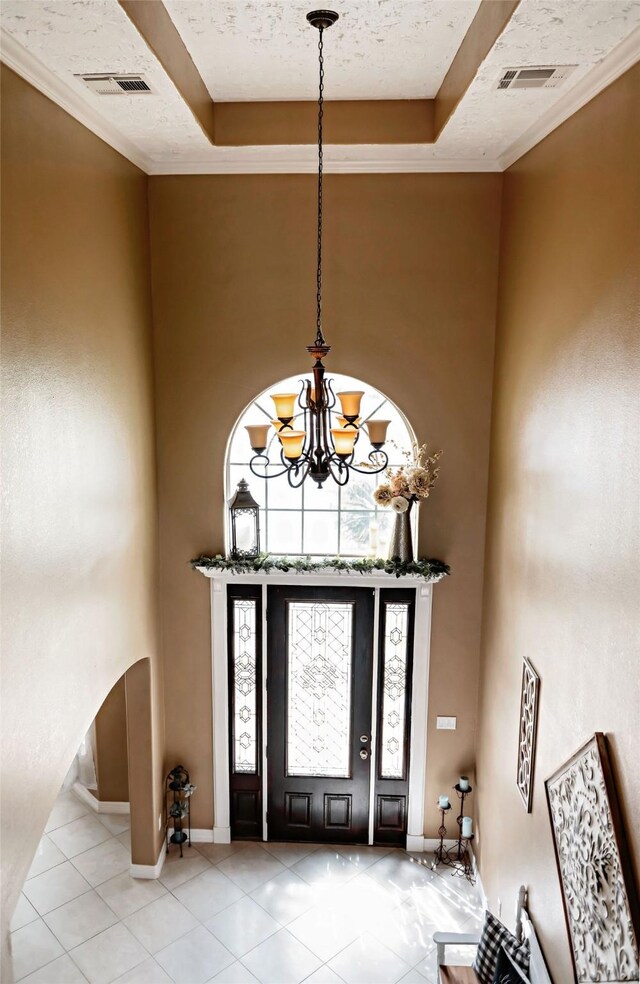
[[319, 661], [245, 745], [394, 687]]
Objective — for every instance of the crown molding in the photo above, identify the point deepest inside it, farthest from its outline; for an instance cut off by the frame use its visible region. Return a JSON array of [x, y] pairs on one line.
[[291, 166], [21, 61], [612, 66]]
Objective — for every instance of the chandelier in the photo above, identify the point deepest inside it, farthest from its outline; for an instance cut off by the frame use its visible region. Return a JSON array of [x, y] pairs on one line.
[[324, 444]]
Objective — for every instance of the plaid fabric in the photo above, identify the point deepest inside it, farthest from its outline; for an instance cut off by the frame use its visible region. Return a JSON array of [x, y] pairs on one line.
[[494, 935], [507, 971]]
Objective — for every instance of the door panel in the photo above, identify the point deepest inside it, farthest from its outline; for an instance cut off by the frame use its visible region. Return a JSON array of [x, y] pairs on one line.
[[319, 677]]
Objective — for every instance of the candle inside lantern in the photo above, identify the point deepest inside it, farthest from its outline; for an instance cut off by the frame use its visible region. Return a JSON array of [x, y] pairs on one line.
[[373, 537], [467, 827], [443, 802], [464, 783]]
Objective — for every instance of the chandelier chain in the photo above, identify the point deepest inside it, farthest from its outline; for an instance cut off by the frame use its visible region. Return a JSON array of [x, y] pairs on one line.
[[319, 335], [319, 449]]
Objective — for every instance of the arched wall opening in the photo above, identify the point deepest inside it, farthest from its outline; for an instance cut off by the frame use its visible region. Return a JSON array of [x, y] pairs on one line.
[[312, 521], [113, 778]]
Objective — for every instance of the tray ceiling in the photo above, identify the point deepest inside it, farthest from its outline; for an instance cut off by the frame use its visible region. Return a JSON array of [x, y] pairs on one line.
[[379, 49], [256, 51]]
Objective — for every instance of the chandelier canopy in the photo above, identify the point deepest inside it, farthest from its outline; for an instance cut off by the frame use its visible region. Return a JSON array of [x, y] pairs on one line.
[[324, 443]]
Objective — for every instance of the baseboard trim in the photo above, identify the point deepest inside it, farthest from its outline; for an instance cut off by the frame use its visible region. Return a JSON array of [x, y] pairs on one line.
[[222, 835], [430, 844], [200, 835], [99, 806], [149, 870], [476, 874]]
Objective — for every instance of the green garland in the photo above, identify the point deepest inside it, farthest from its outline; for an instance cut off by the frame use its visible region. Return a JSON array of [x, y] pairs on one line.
[[428, 570]]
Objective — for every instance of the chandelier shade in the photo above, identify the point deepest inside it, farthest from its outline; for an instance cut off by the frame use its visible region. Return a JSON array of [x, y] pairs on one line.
[[323, 443]]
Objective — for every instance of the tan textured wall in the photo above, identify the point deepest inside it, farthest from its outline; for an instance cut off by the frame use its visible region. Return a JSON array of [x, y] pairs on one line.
[[78, 453], [410, 291], [112, 766], [562, 576]]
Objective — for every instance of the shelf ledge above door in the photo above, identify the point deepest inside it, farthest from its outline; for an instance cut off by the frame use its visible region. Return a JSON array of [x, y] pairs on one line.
[[363, 570]]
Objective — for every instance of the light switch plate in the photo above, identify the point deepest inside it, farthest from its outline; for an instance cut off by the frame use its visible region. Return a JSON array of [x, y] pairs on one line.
[[446, 723]]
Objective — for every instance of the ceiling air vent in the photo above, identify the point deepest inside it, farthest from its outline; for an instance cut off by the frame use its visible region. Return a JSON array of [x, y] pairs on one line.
[[534, 77], [116, 85]]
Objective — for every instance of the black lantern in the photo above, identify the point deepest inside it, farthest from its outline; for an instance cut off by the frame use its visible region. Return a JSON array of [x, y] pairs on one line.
[[245, 524]]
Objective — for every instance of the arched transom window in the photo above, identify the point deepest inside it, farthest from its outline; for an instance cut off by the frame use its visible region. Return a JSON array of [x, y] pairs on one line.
[[326, 522]]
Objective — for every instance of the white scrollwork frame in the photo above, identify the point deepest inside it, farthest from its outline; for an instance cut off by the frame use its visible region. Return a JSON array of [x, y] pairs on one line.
[[594, 866], [527, 738]]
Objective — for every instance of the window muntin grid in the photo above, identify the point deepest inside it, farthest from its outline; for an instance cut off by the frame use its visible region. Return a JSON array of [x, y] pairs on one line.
[[308, 521], [393, 714], [319, 663], [245, 683]]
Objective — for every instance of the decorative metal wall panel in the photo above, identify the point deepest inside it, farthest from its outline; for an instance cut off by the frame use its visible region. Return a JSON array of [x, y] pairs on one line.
[[245, 724], [527, 739], [598, 889], [394, 691], [319, 659]]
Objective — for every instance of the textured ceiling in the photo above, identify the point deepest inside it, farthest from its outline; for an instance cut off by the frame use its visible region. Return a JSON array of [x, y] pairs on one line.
[[72, 37], [559, 32], [379, 49], [380, 56]]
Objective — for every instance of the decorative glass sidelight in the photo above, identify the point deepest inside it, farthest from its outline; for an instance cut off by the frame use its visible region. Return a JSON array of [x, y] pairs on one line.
[[394, 689], [245, 723], [319, 666]]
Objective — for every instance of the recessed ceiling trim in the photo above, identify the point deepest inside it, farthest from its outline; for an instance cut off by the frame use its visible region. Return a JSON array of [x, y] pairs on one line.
[[623, 57], [452, 165], [346, 122], [154, 25], [486, 27], [21, 61]]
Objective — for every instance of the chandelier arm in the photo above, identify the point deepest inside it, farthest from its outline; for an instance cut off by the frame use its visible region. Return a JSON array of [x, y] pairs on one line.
[[372, 471], [339, 470], [293, 471], [264, 460], [305, 392], [331, 396]]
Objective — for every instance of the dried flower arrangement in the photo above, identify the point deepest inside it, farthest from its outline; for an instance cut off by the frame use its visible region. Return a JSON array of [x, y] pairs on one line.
[[411, 482]]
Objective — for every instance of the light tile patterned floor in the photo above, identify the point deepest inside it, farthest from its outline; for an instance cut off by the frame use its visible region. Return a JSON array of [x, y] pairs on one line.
[[234, 914]]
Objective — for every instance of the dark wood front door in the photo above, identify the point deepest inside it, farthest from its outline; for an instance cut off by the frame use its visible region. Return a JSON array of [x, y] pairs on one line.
[[319, 679]]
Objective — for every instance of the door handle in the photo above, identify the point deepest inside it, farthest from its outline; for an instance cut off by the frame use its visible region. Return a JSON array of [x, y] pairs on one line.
[[364, 754]]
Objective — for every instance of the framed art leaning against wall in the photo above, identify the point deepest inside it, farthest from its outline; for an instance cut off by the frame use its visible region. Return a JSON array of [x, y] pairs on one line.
[[594, 867], [529, 696]]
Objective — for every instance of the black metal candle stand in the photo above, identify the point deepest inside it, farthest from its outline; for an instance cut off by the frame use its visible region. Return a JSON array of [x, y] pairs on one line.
[[457, 857], [178, 788]]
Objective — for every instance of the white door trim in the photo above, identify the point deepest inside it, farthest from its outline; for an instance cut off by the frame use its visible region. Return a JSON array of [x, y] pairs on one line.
[[220, 699]]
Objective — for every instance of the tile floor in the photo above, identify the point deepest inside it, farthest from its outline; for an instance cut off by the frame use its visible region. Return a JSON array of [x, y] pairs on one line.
[[236, 913]]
